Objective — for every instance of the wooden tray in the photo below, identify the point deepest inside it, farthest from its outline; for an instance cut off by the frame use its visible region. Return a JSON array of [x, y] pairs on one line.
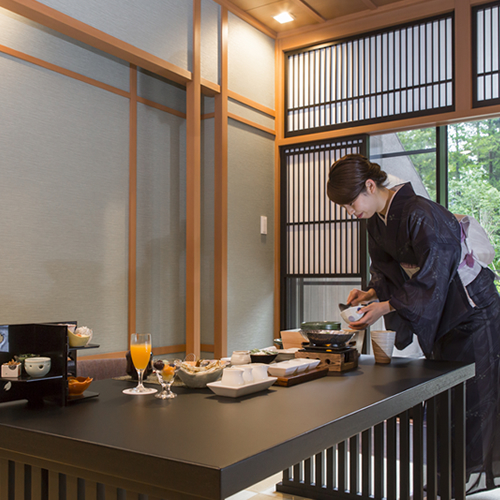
[[334, 361], [302, 377]]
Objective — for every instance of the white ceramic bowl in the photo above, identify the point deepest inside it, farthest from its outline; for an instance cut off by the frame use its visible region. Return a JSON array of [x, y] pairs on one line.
[[352, 314], [37, 367], [199, 380]]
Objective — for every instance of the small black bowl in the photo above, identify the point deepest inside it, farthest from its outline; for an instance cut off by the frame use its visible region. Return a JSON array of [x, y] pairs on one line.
[[263, 358]]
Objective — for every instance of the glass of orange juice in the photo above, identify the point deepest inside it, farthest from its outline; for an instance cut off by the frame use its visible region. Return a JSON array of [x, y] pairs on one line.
[[140, 351]]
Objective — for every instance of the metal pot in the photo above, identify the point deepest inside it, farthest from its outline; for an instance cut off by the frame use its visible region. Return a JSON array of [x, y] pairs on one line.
[[325, 333]]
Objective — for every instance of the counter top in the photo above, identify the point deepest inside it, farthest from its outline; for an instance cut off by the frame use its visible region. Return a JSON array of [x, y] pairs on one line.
[[227, 443]]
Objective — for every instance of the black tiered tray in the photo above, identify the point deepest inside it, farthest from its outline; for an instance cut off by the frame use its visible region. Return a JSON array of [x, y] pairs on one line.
[[45, 339]]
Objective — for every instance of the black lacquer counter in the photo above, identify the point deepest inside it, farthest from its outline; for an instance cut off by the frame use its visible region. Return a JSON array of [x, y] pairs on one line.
[[199, 444]]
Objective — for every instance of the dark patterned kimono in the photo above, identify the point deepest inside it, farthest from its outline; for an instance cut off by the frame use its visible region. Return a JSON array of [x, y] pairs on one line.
[[425, 237]]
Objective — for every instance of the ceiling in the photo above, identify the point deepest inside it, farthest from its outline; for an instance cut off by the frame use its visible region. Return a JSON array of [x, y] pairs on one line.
[[305, 12]]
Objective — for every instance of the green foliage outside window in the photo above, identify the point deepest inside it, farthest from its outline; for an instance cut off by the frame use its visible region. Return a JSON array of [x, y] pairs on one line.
[[473, 171], [474, 175]]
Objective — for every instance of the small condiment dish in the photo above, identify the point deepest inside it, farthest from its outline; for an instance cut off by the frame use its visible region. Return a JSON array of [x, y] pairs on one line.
[[77, 385]]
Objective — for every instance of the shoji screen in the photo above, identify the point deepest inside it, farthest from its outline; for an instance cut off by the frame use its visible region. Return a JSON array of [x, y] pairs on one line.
[[323, 248], [399, 72], [485, 53]]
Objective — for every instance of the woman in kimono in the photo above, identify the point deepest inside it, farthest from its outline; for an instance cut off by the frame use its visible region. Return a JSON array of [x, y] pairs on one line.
[[415, 251]]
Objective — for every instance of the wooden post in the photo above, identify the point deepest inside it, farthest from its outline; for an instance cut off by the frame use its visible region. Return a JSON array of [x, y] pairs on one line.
[[193, 192], [132, 217], [220, 196]]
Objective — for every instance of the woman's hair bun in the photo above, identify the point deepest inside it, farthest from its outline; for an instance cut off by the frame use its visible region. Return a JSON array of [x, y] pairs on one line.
[[348, 176]]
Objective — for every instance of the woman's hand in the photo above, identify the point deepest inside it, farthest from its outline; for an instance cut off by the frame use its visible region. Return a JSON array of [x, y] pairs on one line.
[[356, 296], [371, 313]]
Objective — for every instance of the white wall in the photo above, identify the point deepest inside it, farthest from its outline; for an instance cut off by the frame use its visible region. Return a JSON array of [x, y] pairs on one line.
[[64, 175]]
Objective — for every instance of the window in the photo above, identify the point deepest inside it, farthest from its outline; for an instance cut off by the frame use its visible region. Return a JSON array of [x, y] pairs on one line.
[[323, 247], [474, 175], [399, 72], [485, 53], [409, 156]]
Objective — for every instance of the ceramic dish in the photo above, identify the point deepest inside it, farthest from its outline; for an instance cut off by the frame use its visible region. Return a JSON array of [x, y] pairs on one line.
[[79, 340], [352, 314], [305, 364], [263, 358], [302, 364], [292, 367], [241, 390], [77, 385], [199, 380], [283, 369]]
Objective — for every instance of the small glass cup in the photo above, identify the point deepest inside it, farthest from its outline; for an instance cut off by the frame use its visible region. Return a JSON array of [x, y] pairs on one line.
[[166, 371]]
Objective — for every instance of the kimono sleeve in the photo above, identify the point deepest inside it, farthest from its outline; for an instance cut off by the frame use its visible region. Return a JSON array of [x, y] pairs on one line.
[[386, 277], [434, 238], [385, 272]]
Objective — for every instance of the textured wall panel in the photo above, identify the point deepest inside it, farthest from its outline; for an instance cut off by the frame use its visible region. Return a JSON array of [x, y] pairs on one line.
[[251, 62], [161, 222], [64, 192], [207, 105], [157, 89], [250, 114], [163, 29], [43, 43], [250, 254], [207, 229], [210, 37]]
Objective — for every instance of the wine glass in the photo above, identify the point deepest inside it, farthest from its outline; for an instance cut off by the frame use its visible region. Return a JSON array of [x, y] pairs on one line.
[[140, 351], [165, 371]]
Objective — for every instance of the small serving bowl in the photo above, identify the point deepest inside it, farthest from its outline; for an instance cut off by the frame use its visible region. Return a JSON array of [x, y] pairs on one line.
[[263, 358], [199, 380], [77, 385], [76, 340], [37, 367], [352, 314]]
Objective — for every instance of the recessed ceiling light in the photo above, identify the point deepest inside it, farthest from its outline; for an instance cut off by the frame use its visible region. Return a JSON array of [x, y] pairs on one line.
[[284, 17]]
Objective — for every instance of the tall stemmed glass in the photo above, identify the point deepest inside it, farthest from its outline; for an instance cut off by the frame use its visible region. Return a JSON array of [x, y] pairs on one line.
[[140, 350]]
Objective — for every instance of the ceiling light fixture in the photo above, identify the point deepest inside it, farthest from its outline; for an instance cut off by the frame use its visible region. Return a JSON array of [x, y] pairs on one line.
[[284, 17]]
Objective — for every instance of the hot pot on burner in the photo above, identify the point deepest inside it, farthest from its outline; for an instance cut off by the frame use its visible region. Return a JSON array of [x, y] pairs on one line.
[[326, 333]]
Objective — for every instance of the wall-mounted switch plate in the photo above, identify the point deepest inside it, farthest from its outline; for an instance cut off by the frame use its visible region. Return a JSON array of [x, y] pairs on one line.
[[263, 224]]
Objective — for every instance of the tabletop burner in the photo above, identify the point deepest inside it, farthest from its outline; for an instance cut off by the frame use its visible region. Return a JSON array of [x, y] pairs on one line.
[[308, 347]]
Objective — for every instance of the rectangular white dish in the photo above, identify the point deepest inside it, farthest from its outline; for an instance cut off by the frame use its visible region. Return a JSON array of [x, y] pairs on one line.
[[241, 390], [292, 367]]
